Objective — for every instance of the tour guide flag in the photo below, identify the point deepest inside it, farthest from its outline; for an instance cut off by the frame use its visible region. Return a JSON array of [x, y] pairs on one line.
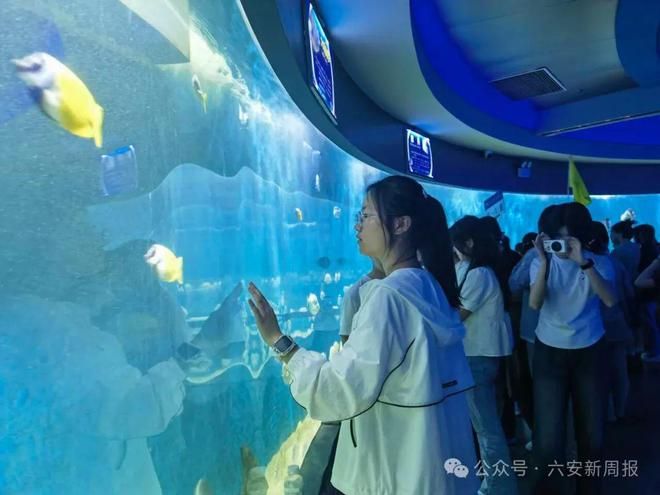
[[575, 182]]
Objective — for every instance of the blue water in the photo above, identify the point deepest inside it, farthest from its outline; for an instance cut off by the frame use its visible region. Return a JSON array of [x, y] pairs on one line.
[[95, 394]]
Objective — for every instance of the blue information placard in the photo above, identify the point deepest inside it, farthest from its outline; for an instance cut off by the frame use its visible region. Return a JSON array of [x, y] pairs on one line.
[[321, 61], [119, 171], [420, 159], [494, 205]]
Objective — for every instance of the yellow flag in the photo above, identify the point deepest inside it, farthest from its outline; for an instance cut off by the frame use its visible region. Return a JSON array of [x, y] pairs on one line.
[[575, 182]]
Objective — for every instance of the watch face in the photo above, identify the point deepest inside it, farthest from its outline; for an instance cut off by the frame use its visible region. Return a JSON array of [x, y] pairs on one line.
[[282, 344]]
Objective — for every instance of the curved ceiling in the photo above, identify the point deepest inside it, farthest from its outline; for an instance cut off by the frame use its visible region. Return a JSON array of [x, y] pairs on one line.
[[432, 63]]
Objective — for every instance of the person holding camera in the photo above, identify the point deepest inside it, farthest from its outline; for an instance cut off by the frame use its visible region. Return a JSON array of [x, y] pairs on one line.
[[568, 284]]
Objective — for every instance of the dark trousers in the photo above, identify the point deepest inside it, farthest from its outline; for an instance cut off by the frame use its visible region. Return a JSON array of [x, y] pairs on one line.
[[560, 374]]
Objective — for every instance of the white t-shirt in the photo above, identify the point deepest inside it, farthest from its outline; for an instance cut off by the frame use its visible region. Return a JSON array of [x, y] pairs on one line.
[[488, 328], [570, 316], [350, 306]]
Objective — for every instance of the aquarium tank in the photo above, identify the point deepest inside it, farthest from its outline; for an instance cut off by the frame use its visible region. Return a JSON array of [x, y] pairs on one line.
[[152, 164]]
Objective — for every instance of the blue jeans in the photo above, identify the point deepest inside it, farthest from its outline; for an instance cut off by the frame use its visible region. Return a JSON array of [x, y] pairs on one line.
[[560, 374], [482, 403]]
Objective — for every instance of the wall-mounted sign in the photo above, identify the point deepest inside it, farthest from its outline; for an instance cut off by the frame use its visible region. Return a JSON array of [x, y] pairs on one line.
[[494, 205], [321, 61], [418, 148]]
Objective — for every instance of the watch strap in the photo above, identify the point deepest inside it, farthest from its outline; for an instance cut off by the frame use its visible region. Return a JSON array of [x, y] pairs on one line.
[[586, 265], [283, 346]]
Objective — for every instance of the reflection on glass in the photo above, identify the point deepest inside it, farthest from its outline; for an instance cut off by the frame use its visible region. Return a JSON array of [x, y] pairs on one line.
[[118, 376]]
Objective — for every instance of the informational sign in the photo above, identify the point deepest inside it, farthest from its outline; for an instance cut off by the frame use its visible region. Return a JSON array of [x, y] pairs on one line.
[[321, 61], [418, 148], [494, 205], [119, 171]]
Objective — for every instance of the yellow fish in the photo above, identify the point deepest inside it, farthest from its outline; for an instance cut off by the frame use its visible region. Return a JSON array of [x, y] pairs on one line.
[[166, 264], [291, 453], [62, 95], [299, 214], [201, 94]]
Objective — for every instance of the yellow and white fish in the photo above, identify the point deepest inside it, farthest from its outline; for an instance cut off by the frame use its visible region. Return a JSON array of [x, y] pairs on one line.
[[166, 264], [201, 94], [299, 214], [336, 211], [62, 95]]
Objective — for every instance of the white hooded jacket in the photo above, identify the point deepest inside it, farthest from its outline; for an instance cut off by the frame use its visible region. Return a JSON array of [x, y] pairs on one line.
[[397, 386]]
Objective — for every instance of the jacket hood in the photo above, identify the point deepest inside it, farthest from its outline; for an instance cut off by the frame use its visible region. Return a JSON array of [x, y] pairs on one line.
[[420, 288]]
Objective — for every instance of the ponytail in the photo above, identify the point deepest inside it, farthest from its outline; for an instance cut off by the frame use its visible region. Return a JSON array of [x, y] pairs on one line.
[[434, 246], [398, 196]]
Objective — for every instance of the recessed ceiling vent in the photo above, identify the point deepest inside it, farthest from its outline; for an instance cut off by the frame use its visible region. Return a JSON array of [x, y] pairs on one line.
[[529, 84]]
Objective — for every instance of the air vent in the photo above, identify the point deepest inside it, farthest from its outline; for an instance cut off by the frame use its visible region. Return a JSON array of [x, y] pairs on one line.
[[529, 84]]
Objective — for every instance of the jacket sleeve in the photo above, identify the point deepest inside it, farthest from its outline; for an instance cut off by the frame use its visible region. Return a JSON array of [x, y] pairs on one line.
[[351, 382]]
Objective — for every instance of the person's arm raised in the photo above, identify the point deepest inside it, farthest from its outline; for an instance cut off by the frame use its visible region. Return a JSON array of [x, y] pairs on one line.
[[537, 289]]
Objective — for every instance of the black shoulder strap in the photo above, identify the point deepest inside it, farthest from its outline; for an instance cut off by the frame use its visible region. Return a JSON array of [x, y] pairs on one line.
[[460, 286]]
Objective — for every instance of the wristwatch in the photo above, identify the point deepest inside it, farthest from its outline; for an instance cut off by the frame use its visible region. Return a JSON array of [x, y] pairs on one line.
[[283, 346], [587, 264]]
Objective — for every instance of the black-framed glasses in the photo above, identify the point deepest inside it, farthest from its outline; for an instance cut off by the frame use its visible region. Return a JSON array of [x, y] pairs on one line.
[[361, 216]]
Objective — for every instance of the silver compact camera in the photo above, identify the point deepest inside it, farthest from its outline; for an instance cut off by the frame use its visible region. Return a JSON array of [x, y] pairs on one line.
[[557, 246]]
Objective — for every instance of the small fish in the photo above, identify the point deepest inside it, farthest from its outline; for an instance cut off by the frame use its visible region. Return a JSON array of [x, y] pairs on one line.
[[201, 94], [203, 487], [166, 264], [62, 95], [313, 305], [629, 214], [336, 212], [317, 183], [243, 116], [299, 214]]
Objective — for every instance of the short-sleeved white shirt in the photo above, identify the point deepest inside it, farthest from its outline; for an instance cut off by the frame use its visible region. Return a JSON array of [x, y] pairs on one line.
[[488, 328], [350, 305], [570, 317]]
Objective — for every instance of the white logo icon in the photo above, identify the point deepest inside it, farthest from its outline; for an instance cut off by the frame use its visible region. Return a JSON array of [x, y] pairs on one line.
[[455, 467]]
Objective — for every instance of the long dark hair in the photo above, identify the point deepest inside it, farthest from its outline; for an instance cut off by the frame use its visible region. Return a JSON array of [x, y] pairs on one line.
[[600, 240], [485, 248], [625, 228], [648, 246], [398, 196]]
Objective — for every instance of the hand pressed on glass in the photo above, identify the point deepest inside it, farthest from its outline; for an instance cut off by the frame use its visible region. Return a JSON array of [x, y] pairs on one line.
[[264, 315]]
